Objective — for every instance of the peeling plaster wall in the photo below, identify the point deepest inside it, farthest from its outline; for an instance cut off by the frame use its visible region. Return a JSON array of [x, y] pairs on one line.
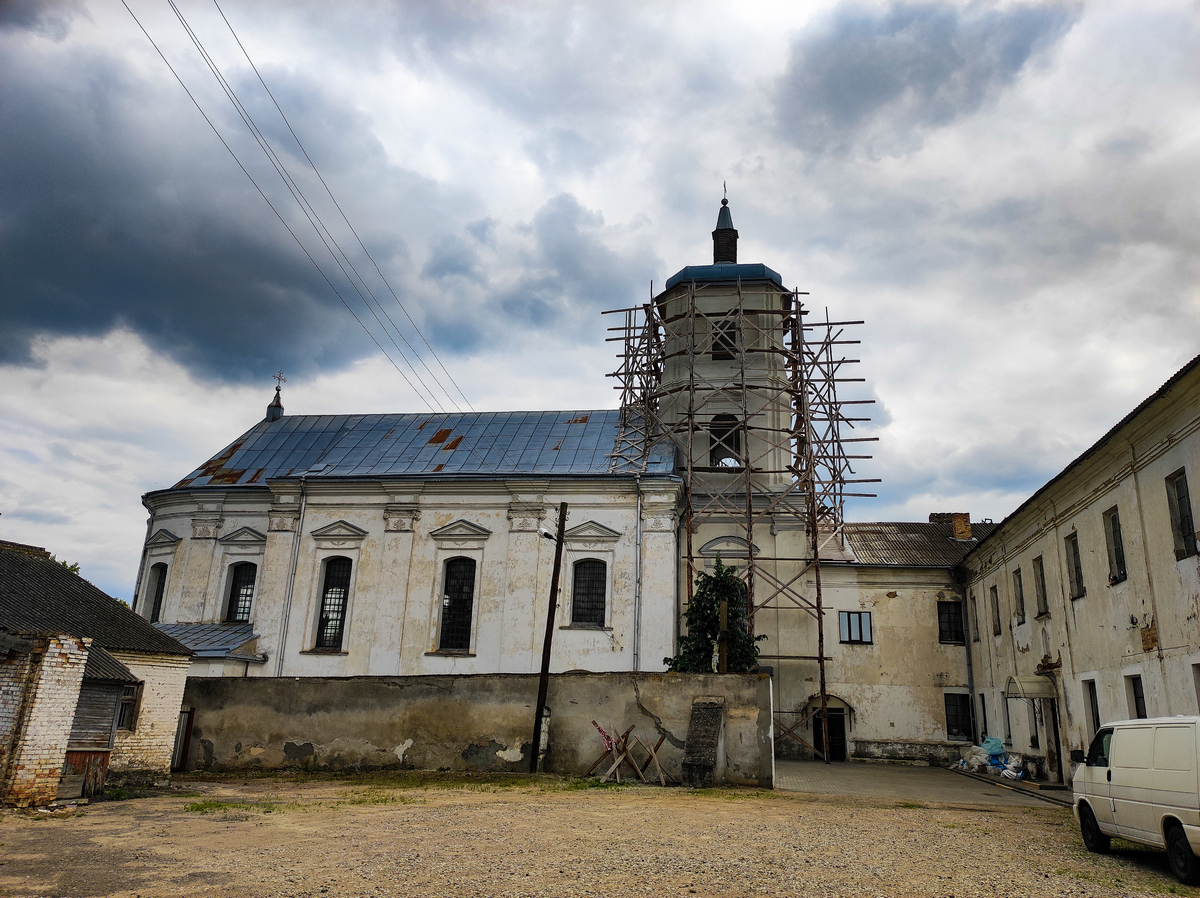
[[480, 722], [392, 623], [1147, 625]]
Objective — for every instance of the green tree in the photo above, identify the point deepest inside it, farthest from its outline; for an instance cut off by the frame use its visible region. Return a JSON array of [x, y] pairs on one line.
[[73, 567], [704, 625]]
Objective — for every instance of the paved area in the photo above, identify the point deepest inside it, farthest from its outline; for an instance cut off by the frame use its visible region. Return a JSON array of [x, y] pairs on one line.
[[898, 782]]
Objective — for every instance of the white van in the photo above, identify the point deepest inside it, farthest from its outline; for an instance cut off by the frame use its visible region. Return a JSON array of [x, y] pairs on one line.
[[1138, 781]]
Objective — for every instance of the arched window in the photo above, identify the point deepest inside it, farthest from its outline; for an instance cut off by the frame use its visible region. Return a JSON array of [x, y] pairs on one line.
[[588, 593], [458, 600], [158, 583], [725, 442], [241, 592], [334, 594]]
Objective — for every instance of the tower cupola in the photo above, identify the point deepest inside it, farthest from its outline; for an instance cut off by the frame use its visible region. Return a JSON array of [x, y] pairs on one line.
[[725, 237]]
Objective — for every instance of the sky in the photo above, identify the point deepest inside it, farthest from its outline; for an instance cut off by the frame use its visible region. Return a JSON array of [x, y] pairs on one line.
[[1006, 193]]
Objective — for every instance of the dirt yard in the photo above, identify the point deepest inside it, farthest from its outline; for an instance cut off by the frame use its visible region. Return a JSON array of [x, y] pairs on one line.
[[430, 835]]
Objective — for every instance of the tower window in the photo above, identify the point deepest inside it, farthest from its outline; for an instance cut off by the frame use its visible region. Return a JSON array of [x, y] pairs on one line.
[[724, 339], [158, 579], [241, 592], [725, 442]]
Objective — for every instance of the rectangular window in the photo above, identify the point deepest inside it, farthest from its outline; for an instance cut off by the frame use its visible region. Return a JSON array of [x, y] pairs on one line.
[[1039, 586], [127, 711], [983, 715], [974, 619], [995, 596], [1116, 546], [334, 595], [1183, 527], [1074, 566], [1019, 595], [1136, 697], [1031, 707], [1093, 704], [950, 623], [855, 627], [587, 593], [241, 592], [958, 716], [725, 339], [725, 442], [158, 575]]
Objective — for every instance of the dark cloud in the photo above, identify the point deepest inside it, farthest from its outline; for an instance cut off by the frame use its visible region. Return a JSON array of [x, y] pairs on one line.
[[859, 75], [50, 19]]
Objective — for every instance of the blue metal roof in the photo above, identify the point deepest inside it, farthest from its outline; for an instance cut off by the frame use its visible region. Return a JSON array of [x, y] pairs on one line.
[[430, 446], [701, 273], [213, 640]]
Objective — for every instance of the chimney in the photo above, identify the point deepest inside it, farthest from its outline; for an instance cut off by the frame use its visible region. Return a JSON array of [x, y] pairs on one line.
[[960, 520]]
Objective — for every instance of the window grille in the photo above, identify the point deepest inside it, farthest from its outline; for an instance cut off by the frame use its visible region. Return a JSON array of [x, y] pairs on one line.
[[241, 592], [588, 593], [950, 623], [855, 627], [333, 603], [458, 599]]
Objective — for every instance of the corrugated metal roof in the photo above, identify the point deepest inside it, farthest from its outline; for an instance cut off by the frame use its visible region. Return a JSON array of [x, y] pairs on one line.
[[705, 273], [38, 595], [103, 666], [545, 444], [216, 640], [911, 544]]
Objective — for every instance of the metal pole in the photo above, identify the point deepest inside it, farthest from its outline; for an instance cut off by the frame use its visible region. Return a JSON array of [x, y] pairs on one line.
[[544, 682]]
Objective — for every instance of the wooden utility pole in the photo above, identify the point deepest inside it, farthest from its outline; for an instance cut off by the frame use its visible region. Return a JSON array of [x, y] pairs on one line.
[[544, 682]]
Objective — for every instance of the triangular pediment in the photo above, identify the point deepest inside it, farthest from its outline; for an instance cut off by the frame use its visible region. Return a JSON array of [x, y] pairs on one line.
[[244, 536], [591, 531], [162, 538], [339, 530], [461, 529]]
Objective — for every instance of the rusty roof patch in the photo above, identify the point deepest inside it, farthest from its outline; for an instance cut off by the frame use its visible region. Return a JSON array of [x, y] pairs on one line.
[[257, 474], [438, 468], [228, 477], [453, 444], [582, 419], [440, 436]]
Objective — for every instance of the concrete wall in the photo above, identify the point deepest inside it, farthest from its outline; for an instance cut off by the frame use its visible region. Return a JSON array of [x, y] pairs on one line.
[[399, 537], [1144, 625], [145, 751], [43, 718], [468, 723]]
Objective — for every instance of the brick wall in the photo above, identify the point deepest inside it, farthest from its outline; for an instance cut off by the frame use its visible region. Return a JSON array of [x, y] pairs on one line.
[[145, 752], [14, 673], [35, 765]]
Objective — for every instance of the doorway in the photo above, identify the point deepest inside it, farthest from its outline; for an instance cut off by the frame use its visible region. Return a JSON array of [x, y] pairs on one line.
[[837, 733]]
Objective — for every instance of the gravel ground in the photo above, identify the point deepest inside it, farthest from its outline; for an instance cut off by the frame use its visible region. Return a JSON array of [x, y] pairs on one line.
[[415, 836]]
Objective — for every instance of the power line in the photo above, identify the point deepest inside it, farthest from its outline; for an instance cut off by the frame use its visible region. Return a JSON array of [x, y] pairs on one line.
[[308, 210], [282, 221], [340, 211]]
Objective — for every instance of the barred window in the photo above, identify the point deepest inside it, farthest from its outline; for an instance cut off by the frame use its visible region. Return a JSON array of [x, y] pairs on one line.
[[334, 595], [588, 593], [458, 601], [241, 592]]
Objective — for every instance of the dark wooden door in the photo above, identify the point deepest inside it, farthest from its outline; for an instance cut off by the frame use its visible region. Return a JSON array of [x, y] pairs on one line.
[[837, 733]]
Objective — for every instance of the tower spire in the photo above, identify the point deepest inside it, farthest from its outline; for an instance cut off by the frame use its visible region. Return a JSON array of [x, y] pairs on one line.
[[275, 409], [725, 237]]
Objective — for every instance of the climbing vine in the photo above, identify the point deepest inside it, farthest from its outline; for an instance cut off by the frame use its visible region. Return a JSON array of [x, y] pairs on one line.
[[696, 649]]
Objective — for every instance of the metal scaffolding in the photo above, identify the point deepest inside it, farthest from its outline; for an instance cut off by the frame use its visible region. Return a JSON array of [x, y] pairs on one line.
[[761, 439]]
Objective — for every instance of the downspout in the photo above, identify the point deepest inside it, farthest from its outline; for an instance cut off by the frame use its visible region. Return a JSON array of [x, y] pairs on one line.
[[962, 576], [637, 579], [291, 586]]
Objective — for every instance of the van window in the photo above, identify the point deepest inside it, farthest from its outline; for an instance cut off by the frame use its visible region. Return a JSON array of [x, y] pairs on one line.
[[1174, 748], [1134, 747], [1098, 753]]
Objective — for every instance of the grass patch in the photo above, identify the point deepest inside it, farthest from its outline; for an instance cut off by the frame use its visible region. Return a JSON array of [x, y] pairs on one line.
[[212, 806], [911, 805]]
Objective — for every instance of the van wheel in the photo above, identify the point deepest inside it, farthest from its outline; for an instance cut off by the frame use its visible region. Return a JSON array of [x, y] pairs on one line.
[[1184, 864], [1093, 839]]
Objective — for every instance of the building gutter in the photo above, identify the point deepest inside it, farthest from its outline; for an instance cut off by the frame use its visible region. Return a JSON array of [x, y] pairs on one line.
[[291, 585]]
